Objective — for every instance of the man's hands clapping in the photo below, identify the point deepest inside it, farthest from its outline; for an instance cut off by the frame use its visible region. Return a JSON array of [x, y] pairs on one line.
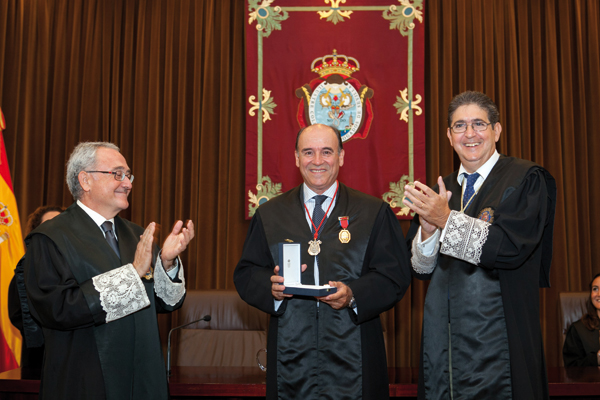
[[432, 207], [176, 243], [143, 252]]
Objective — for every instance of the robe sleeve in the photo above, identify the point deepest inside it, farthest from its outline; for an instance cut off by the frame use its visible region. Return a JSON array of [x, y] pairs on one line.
[[57, 300], [523, 217], [574, 353], [60, 302], [386, 270], [422, 266], [169, 292], [252, 275], [425, 264], [14, 306]]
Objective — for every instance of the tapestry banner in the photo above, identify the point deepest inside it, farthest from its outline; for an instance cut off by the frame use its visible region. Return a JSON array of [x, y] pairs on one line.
[[357, 65]]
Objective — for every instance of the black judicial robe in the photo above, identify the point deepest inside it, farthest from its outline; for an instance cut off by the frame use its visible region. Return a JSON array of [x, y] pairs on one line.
[[581, 346], [496, 340], [87, 358], [318, 352], [31, 357]]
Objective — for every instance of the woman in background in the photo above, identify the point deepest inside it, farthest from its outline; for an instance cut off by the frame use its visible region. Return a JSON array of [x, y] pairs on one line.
[[582, 344], [31, 359]]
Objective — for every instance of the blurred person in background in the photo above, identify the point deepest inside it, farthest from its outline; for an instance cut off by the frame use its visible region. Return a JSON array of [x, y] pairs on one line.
[[31, 358], [582, 343]]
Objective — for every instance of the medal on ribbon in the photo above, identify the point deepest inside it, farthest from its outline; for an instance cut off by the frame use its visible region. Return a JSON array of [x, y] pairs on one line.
[[344, 234], [314, 246]]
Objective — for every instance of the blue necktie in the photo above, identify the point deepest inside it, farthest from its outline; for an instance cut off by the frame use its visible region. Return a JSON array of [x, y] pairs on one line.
[[110, 237], [470, 189], [318, 212]]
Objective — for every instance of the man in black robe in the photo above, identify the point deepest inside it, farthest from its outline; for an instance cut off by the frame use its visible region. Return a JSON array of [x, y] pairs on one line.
[[487, 247], [95, 282], [328, 347]]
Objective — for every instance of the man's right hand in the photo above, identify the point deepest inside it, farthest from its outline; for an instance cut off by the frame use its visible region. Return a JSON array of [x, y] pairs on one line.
[[277, 286], [432, 207], [143, 252]]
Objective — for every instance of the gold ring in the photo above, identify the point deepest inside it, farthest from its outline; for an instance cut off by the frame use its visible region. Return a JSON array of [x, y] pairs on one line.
[[422, 204]]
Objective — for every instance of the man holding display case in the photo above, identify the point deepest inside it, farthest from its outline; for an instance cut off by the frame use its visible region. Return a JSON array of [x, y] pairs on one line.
[[330, 346]]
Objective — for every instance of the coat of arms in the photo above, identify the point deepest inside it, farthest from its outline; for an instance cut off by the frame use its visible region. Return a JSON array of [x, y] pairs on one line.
[[335, 98]]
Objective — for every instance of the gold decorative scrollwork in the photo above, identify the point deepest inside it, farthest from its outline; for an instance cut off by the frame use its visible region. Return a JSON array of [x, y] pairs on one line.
[[266, 105], [335, 14], [403, 104]]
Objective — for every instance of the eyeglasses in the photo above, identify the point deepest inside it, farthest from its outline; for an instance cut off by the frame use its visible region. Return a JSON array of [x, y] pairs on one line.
[[478, 126], [119, 175]]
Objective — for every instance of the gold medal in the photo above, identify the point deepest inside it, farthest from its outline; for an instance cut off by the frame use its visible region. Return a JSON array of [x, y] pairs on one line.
[[344, 236], [314, 248], [344, 233]]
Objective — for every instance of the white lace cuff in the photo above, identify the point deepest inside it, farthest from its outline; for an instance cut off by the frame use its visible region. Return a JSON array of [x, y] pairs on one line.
[[421, 263], [170, 292], [465, 237], [121, 292]]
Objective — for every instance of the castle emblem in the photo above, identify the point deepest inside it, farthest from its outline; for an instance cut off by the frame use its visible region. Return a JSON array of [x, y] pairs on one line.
[[335, 98]]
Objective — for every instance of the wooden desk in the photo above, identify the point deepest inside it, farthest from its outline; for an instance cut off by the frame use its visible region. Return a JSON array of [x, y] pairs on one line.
[[248, 382], [574, 382], [232, 382]]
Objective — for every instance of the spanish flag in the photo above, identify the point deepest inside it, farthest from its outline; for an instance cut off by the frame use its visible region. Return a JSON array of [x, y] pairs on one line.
[[11, 251]]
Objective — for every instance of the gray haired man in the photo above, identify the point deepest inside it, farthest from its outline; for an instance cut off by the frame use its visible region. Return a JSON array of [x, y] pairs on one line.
[[95, 283]]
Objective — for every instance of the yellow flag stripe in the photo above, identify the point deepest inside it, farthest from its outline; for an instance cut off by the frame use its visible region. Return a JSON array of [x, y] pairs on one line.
[[11, 251]]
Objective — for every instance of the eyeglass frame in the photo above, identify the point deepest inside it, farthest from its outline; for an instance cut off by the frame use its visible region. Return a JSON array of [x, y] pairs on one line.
[[479, 121], [114, 174]]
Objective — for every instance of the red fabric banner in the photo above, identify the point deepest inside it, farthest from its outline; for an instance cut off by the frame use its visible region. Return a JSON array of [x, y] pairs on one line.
[[11, 251], [354, 64]]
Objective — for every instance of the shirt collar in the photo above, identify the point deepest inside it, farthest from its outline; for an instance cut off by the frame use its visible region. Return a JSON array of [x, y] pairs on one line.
[[309, 194], [483, 171], [98, 219]]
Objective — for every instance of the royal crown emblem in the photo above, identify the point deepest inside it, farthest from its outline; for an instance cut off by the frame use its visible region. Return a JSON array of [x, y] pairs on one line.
[[5, 217], [335, 98]]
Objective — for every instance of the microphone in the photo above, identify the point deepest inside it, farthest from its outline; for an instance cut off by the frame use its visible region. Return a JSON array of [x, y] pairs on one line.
[[205, 318]]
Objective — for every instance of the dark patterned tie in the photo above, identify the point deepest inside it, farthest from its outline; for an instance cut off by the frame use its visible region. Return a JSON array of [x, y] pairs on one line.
[[107, 227], [317, 217], [318, 212], [470, 190]]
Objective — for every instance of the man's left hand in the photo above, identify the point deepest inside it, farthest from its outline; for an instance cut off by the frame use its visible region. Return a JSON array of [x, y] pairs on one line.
[[176, 243], [339, 299]]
